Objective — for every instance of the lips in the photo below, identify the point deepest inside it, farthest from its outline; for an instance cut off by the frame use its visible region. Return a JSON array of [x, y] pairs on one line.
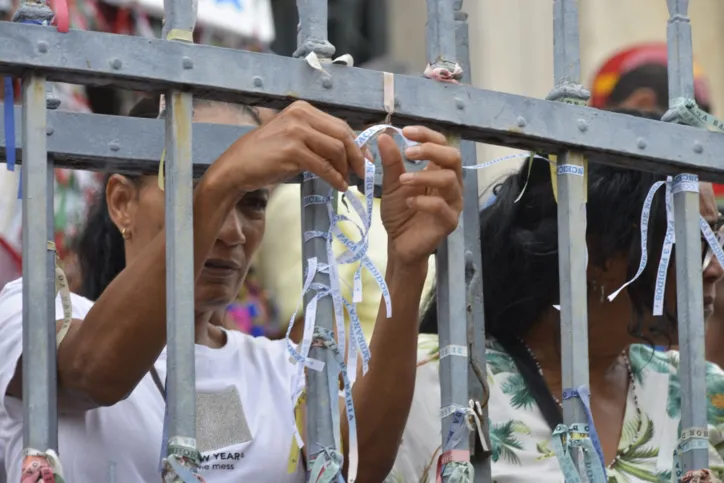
[[221, 268]]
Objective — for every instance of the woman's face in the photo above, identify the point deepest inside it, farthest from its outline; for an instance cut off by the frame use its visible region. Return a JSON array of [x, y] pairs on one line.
[[713, 272], [139, 208]]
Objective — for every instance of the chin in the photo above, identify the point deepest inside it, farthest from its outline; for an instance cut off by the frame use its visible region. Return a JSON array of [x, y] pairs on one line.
[[214, 300]]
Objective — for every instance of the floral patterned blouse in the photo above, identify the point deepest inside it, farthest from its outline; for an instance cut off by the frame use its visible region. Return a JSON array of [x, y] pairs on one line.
[[521, 438]]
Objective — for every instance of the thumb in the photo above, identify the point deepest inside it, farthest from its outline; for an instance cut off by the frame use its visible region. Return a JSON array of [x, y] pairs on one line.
[[392, 165]]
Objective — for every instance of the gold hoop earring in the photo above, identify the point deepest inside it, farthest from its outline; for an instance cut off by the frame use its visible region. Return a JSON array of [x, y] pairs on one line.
[[125, 234]]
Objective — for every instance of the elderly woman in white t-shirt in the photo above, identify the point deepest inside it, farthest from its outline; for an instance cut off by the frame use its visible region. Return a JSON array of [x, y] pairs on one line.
[[112, 363]]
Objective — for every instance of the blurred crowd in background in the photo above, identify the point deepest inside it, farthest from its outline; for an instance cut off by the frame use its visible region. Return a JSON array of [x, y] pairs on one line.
[[360, 27]]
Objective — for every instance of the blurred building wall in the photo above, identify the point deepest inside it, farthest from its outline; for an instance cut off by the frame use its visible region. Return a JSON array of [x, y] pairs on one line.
[[512, 44]]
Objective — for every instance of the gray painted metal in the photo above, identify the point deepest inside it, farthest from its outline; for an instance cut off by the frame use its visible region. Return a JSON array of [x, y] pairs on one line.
[[452, 320], [133, 145], [356, 95], [323, 431], [39, 371], [180, 18], [571, 224], [475, 318], [689, 294], [39, 396], [121, 144]]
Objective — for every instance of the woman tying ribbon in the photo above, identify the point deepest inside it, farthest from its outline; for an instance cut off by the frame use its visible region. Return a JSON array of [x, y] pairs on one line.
[[635, 396], [112, 362]]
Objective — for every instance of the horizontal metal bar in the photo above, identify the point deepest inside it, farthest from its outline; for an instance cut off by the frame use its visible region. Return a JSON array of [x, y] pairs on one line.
[[131, 145], [96, 58]]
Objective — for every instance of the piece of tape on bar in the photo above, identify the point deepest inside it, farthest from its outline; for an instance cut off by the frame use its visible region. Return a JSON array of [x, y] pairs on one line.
[[691, 439], [180, 35], [568, 169], [388, 95]]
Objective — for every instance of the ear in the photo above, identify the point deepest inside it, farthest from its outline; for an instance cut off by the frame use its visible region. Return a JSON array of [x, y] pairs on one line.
[[612, 275], [121, 197], [642, 99]]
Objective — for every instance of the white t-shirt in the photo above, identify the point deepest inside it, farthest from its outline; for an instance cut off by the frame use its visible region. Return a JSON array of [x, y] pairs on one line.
[[244, 420]]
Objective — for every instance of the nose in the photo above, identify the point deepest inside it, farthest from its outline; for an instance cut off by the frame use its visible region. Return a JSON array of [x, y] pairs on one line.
[[714, 272], [232, 231]]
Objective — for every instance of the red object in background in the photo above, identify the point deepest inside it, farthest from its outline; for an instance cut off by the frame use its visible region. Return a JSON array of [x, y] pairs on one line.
[[61, 19], [719, 194], [631, 58]]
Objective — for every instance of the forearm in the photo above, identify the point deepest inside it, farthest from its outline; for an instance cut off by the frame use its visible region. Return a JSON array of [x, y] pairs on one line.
[[383, 397], [125, 331]]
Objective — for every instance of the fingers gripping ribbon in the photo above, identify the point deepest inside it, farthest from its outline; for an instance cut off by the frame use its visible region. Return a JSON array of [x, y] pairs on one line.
[[354, 252], [41, 466]]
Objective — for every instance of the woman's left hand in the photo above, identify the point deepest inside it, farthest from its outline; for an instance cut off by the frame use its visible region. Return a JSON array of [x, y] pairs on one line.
[[420, 209]]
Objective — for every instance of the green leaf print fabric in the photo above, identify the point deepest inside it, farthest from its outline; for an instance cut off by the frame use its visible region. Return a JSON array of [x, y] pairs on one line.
[[521, 438]]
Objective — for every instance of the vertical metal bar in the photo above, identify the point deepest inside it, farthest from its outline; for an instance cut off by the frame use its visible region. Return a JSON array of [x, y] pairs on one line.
[[571, 223], [473, 262], [51, 102], [452, 321], [688, 249], [180, 17], [322, 405], [39, 369]]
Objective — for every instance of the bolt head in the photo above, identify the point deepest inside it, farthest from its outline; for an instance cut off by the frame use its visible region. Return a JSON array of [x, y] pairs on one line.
[[582, 125], [187, 63], [641, 143], [116, 64], [521, 121], [258, 81], [42, 46], [114, 146], [697, 147], [326, 82]]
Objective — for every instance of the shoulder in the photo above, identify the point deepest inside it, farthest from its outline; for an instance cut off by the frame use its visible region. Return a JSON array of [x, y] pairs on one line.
[[646, 362], [11, 302]]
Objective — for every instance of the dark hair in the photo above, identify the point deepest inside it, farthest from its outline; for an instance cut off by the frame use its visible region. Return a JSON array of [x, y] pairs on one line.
[[100, 246], [519, 243], [651, 76]]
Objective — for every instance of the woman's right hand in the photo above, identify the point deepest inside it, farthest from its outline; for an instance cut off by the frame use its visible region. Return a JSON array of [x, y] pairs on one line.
[[300, 138]]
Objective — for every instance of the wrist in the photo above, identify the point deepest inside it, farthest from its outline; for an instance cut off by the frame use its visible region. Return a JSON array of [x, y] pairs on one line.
[[409, 271]]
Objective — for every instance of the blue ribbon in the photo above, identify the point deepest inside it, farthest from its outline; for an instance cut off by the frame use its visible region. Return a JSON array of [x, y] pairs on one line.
[[584, 394], [9, 101]]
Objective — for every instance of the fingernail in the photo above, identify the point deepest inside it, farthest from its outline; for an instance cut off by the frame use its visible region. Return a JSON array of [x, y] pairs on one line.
[[412, 152], [411, 131], [406, 177], [409, 201]]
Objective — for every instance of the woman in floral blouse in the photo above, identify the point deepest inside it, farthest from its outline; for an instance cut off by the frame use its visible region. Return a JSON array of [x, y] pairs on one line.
[[636, 398]]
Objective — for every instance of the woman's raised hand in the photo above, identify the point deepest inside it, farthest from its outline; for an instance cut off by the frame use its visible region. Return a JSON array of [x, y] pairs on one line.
[[300, 138], [420, 209]]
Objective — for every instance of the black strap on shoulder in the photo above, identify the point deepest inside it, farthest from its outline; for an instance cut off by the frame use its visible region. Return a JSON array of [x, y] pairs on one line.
[[534, 381], [157, 381]]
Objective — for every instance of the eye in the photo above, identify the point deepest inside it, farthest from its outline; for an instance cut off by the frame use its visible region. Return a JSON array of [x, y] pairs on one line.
[[254, 202]]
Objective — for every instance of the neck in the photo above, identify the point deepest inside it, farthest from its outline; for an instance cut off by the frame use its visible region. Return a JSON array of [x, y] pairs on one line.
[[207, 329], [606, 344]]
